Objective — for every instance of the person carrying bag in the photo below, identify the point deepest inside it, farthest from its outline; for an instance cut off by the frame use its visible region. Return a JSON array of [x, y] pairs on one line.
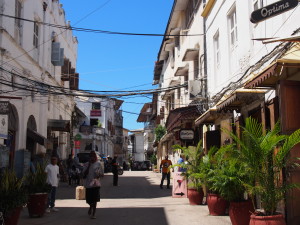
[[92, 173]]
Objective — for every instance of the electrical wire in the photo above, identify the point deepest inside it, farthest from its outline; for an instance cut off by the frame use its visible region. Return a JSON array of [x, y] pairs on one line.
[[98, 31]]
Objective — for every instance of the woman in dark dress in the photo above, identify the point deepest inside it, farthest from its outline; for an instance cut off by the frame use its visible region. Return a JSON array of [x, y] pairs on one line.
[[92, 172]]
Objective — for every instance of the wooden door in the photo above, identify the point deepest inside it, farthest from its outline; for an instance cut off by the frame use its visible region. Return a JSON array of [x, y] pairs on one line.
[[290, 121]]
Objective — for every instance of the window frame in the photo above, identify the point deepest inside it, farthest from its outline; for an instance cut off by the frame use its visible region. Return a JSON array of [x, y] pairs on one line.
[[36, 34], [232, 21], [216, 44]]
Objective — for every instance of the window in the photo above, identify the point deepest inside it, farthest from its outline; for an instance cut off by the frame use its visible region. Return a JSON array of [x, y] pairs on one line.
[[217, 49], [18, 8], [196, 69], [257, 4], [96, 105], [189, 11], [35, 35], [93, 122], [232, 28]]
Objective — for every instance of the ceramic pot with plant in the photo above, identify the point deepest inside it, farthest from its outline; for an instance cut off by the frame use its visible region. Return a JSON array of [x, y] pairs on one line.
[[38, 189], [13, 196], [193, 158], [265, 156], [228, 178]]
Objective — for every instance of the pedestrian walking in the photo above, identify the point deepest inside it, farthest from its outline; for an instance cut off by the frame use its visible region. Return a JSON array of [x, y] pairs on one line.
[[114, 165], [52, 171], [92, 172], [165, 167]]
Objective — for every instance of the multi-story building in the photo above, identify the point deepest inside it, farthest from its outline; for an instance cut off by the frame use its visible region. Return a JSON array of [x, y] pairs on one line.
[[137, 145], [97, 129], [180, 71], [37, 70], [248, 65]]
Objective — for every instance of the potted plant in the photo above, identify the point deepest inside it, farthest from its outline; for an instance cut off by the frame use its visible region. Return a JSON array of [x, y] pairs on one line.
[[38, 190], [229, 178], [191, 167], [265, 156], [13, 196], [216, 204]]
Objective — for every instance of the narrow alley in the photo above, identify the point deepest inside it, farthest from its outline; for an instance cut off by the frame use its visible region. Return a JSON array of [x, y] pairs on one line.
[[138, 200]]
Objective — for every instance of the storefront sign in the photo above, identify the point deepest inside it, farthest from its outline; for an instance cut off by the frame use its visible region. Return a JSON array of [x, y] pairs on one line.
[[272, 10], [186, 134], [3, 126], [4, 107], [95, 112]]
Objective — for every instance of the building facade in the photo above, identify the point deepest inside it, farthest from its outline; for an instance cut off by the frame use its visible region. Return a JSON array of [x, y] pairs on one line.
[[37, 69], [100, 119]]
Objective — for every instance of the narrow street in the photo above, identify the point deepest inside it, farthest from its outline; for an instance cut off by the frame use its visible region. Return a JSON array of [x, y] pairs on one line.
[[138, 200]]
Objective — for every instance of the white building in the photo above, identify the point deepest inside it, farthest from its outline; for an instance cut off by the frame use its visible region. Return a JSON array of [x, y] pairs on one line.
[[37, 69], [98, 127], [137, 142]]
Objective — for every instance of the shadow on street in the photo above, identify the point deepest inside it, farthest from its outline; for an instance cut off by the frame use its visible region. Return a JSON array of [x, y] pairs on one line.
[[130, 187], [113, 216]]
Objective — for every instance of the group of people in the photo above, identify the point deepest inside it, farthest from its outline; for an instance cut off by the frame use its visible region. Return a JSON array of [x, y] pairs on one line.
[[92, 171]]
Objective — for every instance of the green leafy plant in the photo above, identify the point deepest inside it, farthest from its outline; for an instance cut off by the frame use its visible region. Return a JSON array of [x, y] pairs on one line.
[[12, 192], [153, 159], [264, 156], [159, 132], [36, 182], [228, 176], [193, 158]]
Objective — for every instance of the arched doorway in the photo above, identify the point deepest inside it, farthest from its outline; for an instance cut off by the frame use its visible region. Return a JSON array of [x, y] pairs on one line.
[[30, 142], [13, 126]]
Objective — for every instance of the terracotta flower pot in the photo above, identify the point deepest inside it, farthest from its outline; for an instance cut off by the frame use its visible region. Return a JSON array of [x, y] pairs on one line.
[[195, 197], [37, 204], [216, 205], [240, 212], [270, 220], [13, 217]]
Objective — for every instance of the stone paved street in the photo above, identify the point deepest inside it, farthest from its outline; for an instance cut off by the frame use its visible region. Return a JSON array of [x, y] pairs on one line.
[[138, 200]]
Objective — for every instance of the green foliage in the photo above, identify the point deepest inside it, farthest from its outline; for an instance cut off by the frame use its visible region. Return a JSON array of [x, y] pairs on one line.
[[37, 182], [264, 156], [12, 192], [193, 158], [228, 176], [153, 159], [159, 132]]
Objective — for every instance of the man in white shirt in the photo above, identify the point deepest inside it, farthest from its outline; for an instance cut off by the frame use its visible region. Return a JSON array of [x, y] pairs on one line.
[[52, 171]]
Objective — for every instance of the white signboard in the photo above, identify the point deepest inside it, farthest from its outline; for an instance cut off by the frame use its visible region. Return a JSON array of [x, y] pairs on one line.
[[3, 126], [186, 134]]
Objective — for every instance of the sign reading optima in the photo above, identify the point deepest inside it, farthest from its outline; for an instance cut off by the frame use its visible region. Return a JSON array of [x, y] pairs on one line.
[[272, 10], [186, 134]]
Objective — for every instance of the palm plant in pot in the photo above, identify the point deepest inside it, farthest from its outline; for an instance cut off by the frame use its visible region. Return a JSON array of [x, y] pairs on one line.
[[229, 179], [13, 196], [265, 156], [191, 167], [216, 204], [38, 189]]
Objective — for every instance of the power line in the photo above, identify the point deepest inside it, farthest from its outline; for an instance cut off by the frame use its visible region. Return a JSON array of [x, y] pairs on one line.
[[99, 31]]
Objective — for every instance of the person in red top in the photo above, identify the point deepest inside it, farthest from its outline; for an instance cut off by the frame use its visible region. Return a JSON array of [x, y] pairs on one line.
[[165, 167]]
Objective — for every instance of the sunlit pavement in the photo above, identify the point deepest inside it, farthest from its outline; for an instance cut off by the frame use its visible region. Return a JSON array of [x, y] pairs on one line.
[[137, 201]]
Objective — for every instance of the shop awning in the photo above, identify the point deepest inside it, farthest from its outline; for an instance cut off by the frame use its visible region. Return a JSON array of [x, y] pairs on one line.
[[190, 54], [59, 125], [210, 116], [34, 135], [287, 67], [240, 98], [179, 115]]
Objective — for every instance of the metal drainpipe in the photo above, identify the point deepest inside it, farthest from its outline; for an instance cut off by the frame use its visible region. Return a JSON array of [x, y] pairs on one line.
[[205, 62]]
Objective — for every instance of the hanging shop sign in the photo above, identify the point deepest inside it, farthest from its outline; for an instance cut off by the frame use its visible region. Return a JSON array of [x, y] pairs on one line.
[[4, 107], [186, 134], [272, 10], [3, 126]]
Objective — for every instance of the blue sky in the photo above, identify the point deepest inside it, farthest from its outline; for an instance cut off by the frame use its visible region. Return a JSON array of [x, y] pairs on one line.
[[109, 62]]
